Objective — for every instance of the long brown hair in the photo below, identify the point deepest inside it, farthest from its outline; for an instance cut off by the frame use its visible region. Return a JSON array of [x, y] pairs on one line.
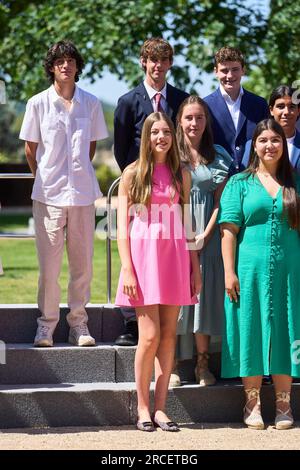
[[141, 186], [284, 174], [206, 147]]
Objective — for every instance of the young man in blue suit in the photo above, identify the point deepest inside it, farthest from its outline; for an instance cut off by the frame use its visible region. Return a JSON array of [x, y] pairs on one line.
[[234, 110], [285, 110], [153, 94]]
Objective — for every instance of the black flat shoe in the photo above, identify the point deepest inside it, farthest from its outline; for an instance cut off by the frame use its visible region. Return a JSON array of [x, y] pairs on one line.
[[145, 426], [170, 426]]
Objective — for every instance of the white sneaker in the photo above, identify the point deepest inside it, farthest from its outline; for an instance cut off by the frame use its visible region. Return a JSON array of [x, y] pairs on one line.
[[80, 336], [43, 337]]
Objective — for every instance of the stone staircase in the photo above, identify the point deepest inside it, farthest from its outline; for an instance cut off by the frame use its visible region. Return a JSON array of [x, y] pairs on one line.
[[94, 386]]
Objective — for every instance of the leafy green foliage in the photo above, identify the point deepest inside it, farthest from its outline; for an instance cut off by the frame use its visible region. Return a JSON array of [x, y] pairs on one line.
[[279, 62], [9, 129], [105, 176]]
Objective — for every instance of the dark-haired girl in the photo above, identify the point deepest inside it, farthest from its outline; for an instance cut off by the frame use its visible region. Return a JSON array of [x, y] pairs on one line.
[[260, 222]]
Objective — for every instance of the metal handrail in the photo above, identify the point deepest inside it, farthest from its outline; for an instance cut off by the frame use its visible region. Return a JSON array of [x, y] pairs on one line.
[[7, 176], [108, 236]]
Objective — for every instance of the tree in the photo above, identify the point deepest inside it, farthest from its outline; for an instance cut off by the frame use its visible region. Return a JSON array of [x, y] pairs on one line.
[[279, 61], [9, 130], [109, 34]]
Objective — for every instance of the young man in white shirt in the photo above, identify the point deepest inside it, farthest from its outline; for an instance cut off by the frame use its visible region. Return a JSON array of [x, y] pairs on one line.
[[60, 128]]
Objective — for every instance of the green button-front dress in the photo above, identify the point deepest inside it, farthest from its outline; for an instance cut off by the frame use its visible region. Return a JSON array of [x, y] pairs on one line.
[[262, 330]]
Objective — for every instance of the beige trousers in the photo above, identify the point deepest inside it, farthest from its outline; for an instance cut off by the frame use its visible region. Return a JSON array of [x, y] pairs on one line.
[[51, 224]]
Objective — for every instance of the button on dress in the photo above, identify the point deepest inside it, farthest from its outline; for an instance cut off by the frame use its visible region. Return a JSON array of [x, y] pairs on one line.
[[262, 330]]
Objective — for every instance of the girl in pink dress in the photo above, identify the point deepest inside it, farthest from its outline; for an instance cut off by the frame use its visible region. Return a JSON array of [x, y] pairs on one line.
[[160, 270]]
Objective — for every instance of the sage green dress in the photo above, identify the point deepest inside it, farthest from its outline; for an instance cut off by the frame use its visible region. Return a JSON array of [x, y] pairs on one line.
[[206, 316], [261, 330]]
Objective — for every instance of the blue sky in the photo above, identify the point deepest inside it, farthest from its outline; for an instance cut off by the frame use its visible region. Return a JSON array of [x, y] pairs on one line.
[[109, 88]]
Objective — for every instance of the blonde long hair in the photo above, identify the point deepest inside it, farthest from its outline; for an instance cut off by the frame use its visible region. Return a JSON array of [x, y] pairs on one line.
[[141, 186]]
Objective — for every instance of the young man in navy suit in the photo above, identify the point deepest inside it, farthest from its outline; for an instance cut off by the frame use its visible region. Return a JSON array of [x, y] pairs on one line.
[[153, 94], [234, 110]]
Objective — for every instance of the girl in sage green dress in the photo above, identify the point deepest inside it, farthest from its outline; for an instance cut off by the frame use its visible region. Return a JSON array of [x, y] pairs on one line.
[[260, 224], [208, 165]]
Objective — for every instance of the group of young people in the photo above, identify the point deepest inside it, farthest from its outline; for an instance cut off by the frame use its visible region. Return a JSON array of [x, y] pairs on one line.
[[177, 188]]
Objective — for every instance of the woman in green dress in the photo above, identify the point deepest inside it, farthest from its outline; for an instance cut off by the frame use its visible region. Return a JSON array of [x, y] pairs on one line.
[[260, 222], [209, 165]]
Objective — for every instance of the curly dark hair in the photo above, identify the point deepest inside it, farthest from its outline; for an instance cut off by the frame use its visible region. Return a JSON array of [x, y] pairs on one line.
[[62, 49]]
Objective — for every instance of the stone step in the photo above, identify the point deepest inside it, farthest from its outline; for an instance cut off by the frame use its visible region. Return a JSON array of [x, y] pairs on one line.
[[18, 323], [111, 404], [65, 363]]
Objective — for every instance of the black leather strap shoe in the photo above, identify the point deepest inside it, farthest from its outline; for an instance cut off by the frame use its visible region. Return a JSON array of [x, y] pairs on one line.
[[130, 335]]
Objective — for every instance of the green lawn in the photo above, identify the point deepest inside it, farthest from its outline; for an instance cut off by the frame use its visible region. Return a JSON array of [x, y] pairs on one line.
[[19, 282]]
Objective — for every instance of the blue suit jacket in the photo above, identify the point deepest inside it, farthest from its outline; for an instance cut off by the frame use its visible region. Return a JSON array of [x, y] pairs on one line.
[[130, 114], [253, 110], [294, 157]]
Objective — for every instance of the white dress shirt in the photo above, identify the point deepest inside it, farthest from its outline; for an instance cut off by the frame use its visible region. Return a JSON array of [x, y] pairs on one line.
[[151, 93], [233, 106], [65, 175], [290, 145]]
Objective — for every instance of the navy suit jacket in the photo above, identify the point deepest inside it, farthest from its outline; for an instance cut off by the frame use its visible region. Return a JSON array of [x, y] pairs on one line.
[[130, 114], [294, 157], [253, 110]]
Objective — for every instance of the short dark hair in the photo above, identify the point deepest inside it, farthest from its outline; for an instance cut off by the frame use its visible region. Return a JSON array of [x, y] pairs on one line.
[[229, 54], [156, 48], [62, 49], [280, 92]]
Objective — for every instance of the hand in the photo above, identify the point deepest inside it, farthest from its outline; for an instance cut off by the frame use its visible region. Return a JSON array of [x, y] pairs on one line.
[[196, 282], [232, 286], [130, 284], [200, 241]]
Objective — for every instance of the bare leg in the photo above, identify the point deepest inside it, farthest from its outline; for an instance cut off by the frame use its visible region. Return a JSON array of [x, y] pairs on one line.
[[202, 373], [252, 382], [282, 383], [149, 337], [252, 415], [168, 315], [202, 342]]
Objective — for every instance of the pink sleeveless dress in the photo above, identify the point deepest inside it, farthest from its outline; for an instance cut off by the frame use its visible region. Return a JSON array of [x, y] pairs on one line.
[[159, 251]]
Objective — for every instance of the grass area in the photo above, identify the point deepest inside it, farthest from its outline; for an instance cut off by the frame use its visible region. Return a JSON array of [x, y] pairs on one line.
[[20, 279]]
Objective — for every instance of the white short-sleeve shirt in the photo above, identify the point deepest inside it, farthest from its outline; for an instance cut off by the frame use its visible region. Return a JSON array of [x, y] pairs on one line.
[[233, 106], [65, 175]]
